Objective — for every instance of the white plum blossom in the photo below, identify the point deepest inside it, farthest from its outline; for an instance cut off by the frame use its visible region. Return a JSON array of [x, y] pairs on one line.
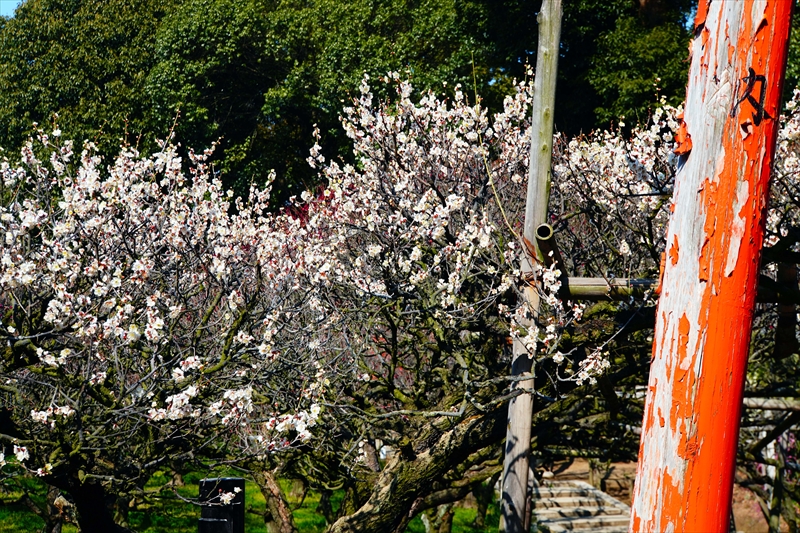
[[21, 453], [596, 363], [132, 258], [167, 304]]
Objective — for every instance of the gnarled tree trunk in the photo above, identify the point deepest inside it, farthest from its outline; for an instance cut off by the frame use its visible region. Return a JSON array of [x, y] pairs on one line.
[[396, 496], [92, 504]]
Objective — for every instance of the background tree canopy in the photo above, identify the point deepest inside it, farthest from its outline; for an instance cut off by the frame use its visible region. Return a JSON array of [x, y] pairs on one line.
[[258, 74], [86, 61]]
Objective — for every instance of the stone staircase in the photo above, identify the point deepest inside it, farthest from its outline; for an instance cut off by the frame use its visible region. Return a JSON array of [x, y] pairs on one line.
[[564, 506]]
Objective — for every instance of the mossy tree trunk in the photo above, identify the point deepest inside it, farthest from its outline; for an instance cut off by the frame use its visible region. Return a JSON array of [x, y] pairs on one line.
[[396, 496], [484, 494], [278, 514]]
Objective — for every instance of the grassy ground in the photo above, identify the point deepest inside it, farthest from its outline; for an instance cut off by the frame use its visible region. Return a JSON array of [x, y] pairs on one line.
[[166, 513]]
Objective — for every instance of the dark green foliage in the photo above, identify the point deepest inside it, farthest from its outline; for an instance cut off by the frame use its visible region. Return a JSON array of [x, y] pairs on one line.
[[214, 64], [612, 53], [634, 65], [86, 61], [793, 64], [261, 73], [258, 74]]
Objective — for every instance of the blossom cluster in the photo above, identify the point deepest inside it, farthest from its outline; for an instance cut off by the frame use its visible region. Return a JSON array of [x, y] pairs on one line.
[[178, 307], [611, 195], [408, 212], [140, 292], [50, 413], [782, 216]]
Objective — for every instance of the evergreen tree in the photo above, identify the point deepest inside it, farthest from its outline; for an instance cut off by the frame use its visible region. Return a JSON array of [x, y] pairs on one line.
[[258, 75]]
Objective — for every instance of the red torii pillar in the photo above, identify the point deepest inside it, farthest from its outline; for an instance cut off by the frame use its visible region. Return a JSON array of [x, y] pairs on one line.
[[691, 423]]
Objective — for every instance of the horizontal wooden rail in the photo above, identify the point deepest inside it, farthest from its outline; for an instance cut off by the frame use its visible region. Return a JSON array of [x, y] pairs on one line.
[[608, 289], [773, 404], [597, 289]]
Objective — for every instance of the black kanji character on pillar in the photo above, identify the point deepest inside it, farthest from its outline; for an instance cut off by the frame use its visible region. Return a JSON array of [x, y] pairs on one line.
[[751, 79]]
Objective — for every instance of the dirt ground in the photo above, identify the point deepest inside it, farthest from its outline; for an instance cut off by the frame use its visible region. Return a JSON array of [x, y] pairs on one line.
[[618, 482]]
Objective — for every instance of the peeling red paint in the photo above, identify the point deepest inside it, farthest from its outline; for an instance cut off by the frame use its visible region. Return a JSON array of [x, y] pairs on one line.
[[673, 251], [702, 12], [683, 138], [687, 455], [660, 275]]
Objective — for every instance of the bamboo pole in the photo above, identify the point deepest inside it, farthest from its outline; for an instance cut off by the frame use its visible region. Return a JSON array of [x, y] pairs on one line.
[[602, 289], [515, 506], [694, 400], [608, 289], [783, 291], [773, 404]]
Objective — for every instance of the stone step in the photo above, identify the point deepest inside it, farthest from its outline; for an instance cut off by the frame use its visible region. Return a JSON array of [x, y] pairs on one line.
[[570, 501], [612, 529], [573, 505], [582, 512], [562, 491], [573, 489], [593, 524]]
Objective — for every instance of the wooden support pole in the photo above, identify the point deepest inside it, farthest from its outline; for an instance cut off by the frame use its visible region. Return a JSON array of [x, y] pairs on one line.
[[602, 289], [701, 341], [515, 504], [773, 404], [608, 289]]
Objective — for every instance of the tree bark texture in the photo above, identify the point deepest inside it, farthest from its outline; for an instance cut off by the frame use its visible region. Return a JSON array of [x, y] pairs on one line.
[[726, 144], [483, 493], [278, 516], [395, 498]]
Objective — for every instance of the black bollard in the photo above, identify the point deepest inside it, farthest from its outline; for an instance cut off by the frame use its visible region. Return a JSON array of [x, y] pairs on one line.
[[222, 505]]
